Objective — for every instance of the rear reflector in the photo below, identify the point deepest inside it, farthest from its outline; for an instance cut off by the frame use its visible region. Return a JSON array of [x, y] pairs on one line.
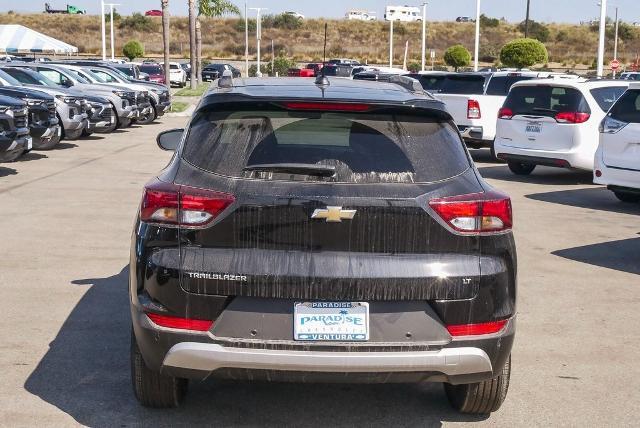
[[327, 106], [180, 323], [178, 205], [572, 117], [476, 329], [473, 110], [505, 113], [477, 213]]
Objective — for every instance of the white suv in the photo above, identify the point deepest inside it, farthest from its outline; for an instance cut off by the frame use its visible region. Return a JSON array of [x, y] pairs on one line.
[[177, 75], [553, 122], [617, 160]]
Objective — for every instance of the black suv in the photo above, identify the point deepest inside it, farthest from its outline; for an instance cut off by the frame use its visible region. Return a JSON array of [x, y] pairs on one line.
[[327, 231]]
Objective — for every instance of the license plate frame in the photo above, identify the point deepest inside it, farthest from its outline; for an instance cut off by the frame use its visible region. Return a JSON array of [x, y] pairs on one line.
[[533, 127], [331, 321]]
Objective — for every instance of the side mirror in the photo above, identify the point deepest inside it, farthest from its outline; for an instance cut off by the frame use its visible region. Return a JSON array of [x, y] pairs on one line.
[[169, 140]]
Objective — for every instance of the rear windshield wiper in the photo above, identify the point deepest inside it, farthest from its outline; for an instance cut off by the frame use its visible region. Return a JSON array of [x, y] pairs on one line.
[[294, 168]]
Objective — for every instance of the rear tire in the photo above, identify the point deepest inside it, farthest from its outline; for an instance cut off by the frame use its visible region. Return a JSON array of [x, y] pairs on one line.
[[492, 150], [630, 198], [151, 388], [483, 397], [521, 168]]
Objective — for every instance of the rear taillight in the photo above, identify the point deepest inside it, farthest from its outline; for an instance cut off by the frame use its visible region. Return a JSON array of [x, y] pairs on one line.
[[491, 327], [505, 113], [478, 213], [473, 110], [172, 204], [169, 321], [572, 117], [320, 106]]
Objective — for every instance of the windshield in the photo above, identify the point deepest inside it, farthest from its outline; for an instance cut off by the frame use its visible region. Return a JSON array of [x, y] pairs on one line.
[[151, 69], [8, 80], [362, 147], [128, 71]]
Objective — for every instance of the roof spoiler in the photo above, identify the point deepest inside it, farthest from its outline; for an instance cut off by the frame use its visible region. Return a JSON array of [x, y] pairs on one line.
[[410, 84]]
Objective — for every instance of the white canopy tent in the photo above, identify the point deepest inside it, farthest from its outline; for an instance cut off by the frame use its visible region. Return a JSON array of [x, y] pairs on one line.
[[18, 39]]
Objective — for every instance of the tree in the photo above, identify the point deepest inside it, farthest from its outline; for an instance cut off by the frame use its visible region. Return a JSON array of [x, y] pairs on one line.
[[192, 43], [536, 30], [133, 49], [522, 53], [485, 21], [211, 8], [457, 56], [166, 41]]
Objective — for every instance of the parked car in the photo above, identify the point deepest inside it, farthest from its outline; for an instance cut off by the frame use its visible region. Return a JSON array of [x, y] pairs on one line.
[[294, 14], [187, 69], [345, 61], [554, 122], [322, 233], [473, 99], [630, 75], [122, 99], [465, 19], [73, 108], [14, 129], [177, 75], [617, 160], [213, 71], [44, 128], [132, 70], [155, 72], [153, 12], [145, 111]]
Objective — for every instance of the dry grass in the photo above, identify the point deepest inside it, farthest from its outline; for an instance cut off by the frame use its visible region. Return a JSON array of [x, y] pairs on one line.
[[367, 41]]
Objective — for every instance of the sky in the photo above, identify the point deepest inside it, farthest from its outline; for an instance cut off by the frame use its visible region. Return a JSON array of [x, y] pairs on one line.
[[513, 10]]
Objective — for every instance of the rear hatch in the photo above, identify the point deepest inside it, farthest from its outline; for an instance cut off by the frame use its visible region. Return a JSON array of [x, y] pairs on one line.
[[327, 205], [622, 148], [542, 117]]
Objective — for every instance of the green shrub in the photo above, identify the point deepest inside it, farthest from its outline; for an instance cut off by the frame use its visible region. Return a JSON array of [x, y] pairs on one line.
[[522, 53], [138, 22], [287, 22], [414, 66], [281, 65], [457, 56], [133, 49], [487, 22]]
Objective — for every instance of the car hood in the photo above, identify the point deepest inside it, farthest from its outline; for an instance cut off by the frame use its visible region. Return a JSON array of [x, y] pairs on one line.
[[22, 92], [6, 101]]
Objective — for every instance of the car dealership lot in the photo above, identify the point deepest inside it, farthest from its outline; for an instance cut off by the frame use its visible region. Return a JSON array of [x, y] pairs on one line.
[[65, 323]]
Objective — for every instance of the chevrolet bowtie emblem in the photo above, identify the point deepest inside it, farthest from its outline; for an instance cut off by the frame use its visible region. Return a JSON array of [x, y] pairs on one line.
[[334, 214]]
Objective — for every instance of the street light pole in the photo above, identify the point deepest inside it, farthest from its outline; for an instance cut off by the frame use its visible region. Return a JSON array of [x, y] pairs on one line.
[[603, 17], [246, 40], [258, 35], [391, 44], [526, 22], [104, 41], [477, 46], [424, 34], [113, 48], [615, 43]]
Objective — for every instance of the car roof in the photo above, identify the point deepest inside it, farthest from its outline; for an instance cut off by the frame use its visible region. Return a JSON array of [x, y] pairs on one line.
[[578, 83], [339, 89]]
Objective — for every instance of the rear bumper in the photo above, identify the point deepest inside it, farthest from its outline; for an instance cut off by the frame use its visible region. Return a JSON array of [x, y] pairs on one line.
[[563, 159], [616, 177], [473, 135]]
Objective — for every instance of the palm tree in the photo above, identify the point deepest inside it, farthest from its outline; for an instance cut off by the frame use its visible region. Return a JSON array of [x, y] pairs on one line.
[[212, 8], [165, 39], [192, 42]]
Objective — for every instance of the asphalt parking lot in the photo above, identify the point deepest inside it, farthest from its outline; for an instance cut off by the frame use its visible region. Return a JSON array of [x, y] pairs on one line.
[[64, 328]]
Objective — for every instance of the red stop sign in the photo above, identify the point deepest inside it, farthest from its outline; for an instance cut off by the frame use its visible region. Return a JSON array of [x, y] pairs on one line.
[[615, 64]]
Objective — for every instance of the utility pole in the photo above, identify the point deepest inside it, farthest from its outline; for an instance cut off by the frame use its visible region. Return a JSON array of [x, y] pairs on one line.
[[391, 44], [273, 59], [526, 22], [424, 34], [406, 52], [258, 35], [246, 40], [477, 47], [615, 43], [603, 17], [104, 41], [113, 47]]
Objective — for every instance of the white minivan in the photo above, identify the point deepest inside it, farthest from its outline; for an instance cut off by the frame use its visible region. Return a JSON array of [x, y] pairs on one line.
[[553, 122], [617, 160]]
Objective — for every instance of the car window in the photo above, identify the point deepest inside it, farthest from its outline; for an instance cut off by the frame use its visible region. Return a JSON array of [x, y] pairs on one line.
[[106, 77], [500, 85], [173, 67], [21, 76], [606, 97], [83, 77], [363, 147], [462, 84], [55, 76], [151, 69], [545, 100], [126, 70], [7, 79], [627, 109]]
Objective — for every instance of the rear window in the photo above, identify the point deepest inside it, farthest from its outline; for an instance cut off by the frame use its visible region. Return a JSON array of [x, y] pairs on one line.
[[362, 147], [461, 84], [126, 70], [627, 109], [500, 85], [151, 69], [606, 97], [545, 100], [174, 67]]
